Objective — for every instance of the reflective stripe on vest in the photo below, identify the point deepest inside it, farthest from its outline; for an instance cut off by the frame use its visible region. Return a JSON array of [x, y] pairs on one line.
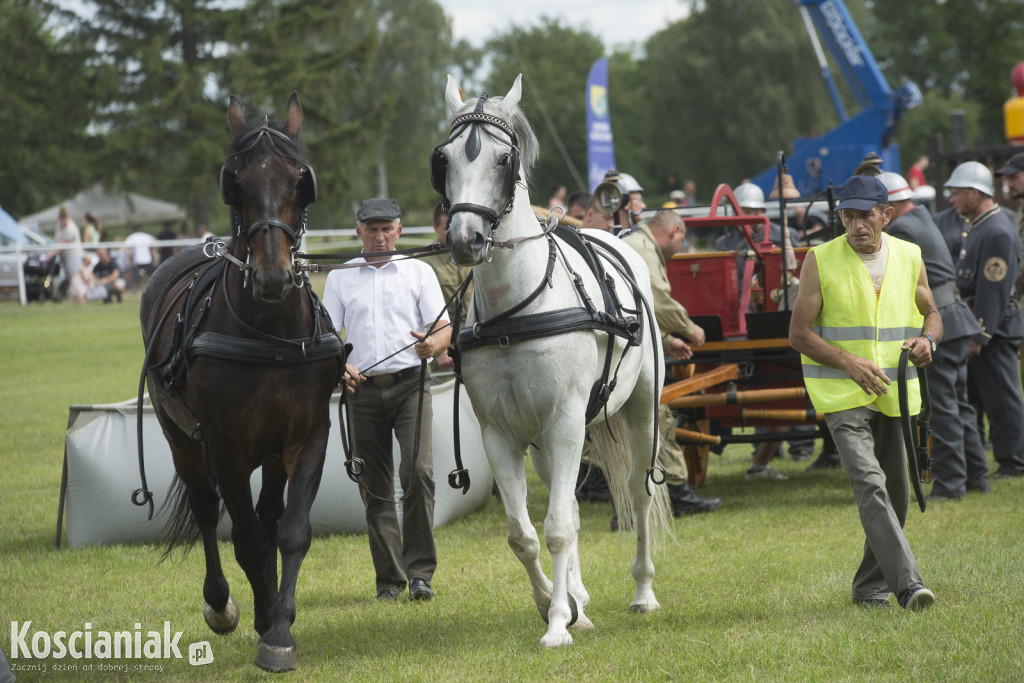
[[854, 319]]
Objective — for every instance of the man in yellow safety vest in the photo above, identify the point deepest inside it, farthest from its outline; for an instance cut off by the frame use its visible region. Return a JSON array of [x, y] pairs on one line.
[[863, 299]]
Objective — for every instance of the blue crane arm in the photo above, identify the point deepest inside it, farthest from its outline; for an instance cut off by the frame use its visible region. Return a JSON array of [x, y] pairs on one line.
[[833, 156]]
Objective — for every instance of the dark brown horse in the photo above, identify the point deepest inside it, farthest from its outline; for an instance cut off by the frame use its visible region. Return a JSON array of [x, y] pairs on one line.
[[241, 364]]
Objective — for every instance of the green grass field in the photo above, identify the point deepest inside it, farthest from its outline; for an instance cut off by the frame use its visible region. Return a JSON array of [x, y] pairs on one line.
[[758, 590]]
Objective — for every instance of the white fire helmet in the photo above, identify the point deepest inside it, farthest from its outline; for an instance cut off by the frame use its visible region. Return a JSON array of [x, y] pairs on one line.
[[629, 184], [972, 174], [899, 188], [750, 196]]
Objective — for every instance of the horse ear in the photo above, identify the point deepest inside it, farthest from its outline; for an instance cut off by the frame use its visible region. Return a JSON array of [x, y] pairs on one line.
[[236, 116], [293, 124], [453, 95], [511, 100]]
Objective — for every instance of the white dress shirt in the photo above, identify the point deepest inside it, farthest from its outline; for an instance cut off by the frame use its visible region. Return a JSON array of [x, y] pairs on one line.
[[376, 308]]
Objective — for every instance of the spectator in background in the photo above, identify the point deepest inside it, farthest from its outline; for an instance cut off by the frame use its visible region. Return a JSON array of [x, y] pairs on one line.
[[915, 174], [92, 230], [576, 205], [140, 251], [676, 199], [959, 461], [203, 232], [689, 193], [81, 282], [990, 258], [167, 250], [557, 196], [450, 276], [595, 220], [109, 275], [68, 233]]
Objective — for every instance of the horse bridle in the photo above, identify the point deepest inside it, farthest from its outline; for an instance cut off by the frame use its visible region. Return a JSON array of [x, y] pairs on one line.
[[439, 164], [227, 186]]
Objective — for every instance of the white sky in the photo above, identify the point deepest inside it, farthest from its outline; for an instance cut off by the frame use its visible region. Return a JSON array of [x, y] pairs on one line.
[[616, 21]]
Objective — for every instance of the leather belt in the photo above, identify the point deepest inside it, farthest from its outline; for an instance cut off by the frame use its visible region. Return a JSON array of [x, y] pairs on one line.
[[387, 379], [946, 294]]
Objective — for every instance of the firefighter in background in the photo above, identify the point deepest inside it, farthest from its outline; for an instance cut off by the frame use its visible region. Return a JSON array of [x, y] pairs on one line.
[[990, 258]]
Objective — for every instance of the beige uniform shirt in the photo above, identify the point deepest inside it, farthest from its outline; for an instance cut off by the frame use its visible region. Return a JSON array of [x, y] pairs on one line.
[[450, 277], [670, 314]]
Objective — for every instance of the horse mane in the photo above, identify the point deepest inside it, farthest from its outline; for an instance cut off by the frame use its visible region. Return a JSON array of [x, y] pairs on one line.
[[249, 143], [529, 148]]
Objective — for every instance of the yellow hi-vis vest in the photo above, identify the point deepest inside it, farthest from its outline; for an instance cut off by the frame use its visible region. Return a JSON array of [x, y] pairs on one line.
[[854, 319]]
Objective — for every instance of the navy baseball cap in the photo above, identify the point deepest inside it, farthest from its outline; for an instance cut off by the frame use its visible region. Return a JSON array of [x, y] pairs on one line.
[[862, 192], [1016, 163], [378, 209]]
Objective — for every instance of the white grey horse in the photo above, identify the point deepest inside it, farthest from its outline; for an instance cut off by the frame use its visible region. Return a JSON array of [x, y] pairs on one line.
[[534, 392]]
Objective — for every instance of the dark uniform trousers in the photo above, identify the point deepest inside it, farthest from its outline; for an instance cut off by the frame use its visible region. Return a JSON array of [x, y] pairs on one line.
[[959, 460], [995, 371], [409, 553]]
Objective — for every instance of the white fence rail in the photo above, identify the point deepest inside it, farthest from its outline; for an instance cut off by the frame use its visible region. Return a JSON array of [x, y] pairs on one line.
[[318, 240]]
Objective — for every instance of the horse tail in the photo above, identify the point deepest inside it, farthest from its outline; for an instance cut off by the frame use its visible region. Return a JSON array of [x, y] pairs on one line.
[[181, 528], [612, 452]]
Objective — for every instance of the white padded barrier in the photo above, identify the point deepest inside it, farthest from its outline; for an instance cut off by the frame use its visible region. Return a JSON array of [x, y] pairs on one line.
[[101, 470]]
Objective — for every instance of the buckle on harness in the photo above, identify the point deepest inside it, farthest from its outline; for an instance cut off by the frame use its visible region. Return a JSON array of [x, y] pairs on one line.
[[503, 341]]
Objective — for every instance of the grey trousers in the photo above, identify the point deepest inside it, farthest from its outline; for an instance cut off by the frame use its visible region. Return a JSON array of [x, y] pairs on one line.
[[958, 457], [409, 553], [871, 449]]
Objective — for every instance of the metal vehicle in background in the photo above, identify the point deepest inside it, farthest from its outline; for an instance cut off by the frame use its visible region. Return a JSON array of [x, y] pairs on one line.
[[831, 158]]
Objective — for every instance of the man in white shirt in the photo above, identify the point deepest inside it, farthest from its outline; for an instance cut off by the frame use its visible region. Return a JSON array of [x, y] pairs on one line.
[[140, 247], [67, 233], [381, 305]]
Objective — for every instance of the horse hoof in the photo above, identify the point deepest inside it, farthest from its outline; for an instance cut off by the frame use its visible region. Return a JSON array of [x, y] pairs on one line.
[[573, 611], [643, 608], [583, 624], [551, 642], [275, 658], [225, 621]]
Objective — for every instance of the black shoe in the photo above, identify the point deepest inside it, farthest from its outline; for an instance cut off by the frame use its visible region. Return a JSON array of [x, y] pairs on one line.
[[1005, 474], [917, 599], [877, 603], [614, 523], [827, 460], [979, 489], [419, 589], [387, 595], [686, 502]]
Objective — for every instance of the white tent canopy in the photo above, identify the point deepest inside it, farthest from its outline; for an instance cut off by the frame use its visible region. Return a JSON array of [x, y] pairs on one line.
[[113, 209]]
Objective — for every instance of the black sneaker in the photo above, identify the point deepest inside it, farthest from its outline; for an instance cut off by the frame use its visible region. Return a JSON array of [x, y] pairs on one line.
[[917, 599]]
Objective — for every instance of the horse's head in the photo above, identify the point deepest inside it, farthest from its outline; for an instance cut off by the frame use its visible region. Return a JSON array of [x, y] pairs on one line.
[[268, 183], [489, 154]]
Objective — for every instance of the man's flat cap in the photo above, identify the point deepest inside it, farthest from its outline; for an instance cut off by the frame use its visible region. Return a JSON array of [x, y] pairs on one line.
[[378, 209]]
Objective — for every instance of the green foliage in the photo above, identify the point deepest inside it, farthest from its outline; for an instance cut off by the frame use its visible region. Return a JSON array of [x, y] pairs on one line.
[[933, 116], [135, 93], [728, 87], [961, 49], [47, 83]]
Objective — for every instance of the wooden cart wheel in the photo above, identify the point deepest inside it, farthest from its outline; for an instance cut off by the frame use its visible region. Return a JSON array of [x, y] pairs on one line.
[[696, 456]]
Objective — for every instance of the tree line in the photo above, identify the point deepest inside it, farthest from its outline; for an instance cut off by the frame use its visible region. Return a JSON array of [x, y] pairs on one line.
[[134, 93]]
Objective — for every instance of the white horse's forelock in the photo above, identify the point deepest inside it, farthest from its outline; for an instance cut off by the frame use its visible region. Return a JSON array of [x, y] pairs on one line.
[[529, 148]]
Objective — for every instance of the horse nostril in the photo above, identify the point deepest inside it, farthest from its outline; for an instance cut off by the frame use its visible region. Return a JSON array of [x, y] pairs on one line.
[[479, 241]]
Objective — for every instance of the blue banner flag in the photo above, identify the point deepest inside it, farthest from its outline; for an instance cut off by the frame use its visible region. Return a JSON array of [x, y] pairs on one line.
[[600, 148]]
